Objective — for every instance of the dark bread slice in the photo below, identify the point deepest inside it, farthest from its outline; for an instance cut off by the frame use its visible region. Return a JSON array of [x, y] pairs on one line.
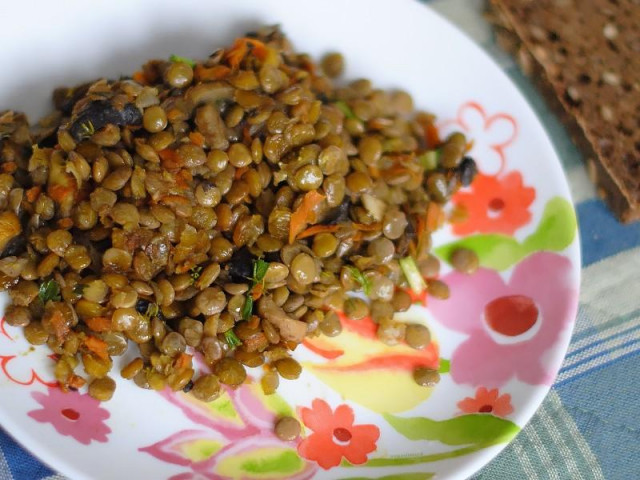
[[585, 55]]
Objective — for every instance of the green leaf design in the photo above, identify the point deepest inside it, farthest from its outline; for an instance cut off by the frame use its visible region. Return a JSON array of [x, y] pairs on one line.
[[398, 476], [445, 366], [480, 429], [555, 232]]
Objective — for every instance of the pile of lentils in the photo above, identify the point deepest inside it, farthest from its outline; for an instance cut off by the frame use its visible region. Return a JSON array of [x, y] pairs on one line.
[[227, 208]]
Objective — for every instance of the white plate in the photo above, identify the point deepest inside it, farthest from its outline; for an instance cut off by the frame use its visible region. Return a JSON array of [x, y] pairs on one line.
[[505, 329]]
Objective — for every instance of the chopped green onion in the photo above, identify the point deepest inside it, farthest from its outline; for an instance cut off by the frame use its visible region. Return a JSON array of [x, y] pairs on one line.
[[247, 308], [259, 270], [178, 58], [195, 273], [152, 310], [344, 108], [429, 160], [413, 275], [360, 277], [232, 339], [49, 290]]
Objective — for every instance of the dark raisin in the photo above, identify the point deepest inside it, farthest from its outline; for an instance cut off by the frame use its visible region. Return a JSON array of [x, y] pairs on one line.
[[467, 171]]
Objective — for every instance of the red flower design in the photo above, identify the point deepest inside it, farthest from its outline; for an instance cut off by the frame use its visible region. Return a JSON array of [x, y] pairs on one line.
[[72, 414], [494, 205], [487, 401], [20, 362], [335, 436]]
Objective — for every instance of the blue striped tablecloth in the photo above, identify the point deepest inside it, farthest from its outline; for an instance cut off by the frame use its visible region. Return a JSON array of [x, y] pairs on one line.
[[589, 425]]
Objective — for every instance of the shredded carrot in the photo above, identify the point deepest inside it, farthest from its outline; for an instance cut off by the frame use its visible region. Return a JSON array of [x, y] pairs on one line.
[[183, 179], [316, 229], [99, 324], [241, 48], [65, 223], [140, 77], [239, 172], [469, 146], [33, 192], [59, 192], [254, 322], [257, 290], [374, 172], [246, 135], [431, 135], [372, 227], [174, 114], [59, 324], [170, 159], [435, 216], [76, 382], [183, 361], [197, 138], [217, 72], [97, 346], [300, 218]]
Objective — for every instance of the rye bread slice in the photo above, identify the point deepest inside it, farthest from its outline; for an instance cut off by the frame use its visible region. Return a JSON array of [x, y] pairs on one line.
[[585, 56]]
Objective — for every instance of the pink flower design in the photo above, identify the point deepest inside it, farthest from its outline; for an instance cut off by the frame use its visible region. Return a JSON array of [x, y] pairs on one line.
[[249, 429], [510, 326], [489, 134], [20, 362], [72, 414]]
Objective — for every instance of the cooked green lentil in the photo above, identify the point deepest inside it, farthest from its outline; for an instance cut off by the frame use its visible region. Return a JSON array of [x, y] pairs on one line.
[[228, 206]]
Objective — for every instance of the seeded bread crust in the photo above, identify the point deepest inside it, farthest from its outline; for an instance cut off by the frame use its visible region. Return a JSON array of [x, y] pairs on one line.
[[585, 56]]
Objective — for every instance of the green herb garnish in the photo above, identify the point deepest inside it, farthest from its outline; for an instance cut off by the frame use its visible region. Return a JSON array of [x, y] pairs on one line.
[[413, 275], [232, 339], [78, 288], [178, 58], [260, 268], [247, 308], [49, 290], [87, 129], [152, 310], [361, 278], [195, 273], [429, 160], [346, 109]]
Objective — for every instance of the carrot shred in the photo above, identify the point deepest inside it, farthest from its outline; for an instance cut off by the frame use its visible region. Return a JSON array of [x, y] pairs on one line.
[[76, 382], [316, 229], [33, 192], [300, 218], [59, 192], [170, 159], [240, 49], [183, 179], [65, 223], [140, 77], [99, 324], [197, 138], [239, 172], [435, 216], [469, 146], [372, 227], [97, 346], [218, 72], [59, 324], [431, 135], [183, 361], [256, 291]]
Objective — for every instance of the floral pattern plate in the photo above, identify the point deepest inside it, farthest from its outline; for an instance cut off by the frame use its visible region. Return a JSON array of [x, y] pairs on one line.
[[500, 337]]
